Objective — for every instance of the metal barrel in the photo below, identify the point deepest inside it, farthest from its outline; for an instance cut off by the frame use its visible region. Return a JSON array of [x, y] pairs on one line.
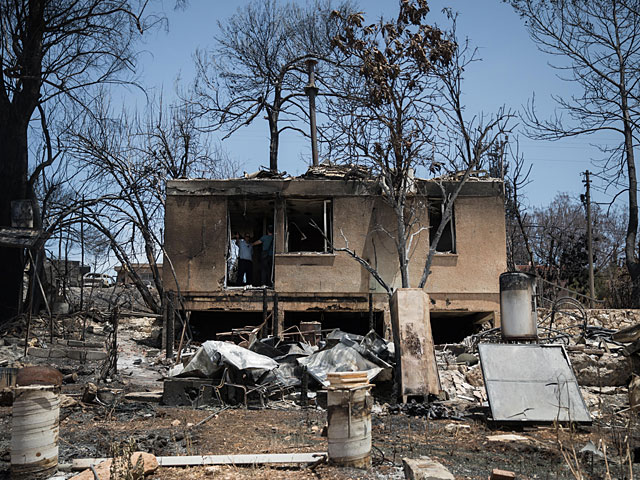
[[34, 432], [518, 317], [349, 427]]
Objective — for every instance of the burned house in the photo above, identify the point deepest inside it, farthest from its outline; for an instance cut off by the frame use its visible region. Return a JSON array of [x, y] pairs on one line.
[[312, 216]]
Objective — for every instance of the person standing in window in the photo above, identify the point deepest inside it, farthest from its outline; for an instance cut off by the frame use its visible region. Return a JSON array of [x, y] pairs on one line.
[[266, 258], [245, 260]]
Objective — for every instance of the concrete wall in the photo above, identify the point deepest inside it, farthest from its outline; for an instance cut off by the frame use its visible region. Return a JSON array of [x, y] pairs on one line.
[[195, 241], [470, 277]]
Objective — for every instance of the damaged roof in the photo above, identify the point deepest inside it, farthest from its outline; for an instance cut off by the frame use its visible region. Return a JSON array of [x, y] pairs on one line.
[[326, 180]]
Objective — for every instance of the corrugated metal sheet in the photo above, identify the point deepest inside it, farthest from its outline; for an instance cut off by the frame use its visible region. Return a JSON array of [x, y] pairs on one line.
[[531, 383]]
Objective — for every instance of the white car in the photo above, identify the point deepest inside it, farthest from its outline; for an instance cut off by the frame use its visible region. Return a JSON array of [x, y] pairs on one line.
[[97, 280]]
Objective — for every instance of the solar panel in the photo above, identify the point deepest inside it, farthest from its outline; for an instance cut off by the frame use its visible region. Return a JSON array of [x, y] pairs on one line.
[[531, 383]]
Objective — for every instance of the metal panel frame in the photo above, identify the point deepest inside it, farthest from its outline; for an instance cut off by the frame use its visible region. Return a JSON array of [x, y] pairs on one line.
[[531, 383]]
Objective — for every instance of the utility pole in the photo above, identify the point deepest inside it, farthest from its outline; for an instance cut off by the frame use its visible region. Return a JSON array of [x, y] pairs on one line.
[[587, 182], [82, 260]]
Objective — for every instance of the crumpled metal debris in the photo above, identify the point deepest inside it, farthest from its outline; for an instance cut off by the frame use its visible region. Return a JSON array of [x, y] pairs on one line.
[[340, 358], [214, 355]]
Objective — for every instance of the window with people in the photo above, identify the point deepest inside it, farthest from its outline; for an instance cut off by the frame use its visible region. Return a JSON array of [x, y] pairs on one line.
[[250, 243]]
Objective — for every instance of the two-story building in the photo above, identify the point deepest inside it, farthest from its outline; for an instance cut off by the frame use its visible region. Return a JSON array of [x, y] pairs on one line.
[[313, 216]]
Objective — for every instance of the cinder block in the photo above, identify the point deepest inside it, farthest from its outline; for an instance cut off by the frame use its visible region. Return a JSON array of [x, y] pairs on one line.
[[498, 474], [187, 391], [79, 355], [424, 468], [94, 355], [57, 353], [38, 352]]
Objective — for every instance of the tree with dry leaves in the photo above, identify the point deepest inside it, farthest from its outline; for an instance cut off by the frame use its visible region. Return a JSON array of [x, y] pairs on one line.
[[126, 161], [257, 68], [398, 110]]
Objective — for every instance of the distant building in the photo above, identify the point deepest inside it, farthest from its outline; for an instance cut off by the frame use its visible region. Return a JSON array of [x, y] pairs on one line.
[[143, 270], [64, 272], [311, 280]]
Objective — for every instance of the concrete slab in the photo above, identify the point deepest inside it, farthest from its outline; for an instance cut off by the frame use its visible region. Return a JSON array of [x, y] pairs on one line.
[[423, 468], [38, 352], [57, 353], [95, 355], [79, 355]]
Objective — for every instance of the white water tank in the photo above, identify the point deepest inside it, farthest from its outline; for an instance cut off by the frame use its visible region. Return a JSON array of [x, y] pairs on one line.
[[518, 316]]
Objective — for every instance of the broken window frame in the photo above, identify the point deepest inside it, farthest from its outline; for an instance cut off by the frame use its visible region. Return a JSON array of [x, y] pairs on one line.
[[230, 239], [327, 226], [451, 226]]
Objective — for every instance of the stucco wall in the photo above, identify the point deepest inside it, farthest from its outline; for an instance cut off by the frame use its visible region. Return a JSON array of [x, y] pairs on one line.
[[330, 273], [195, 240]]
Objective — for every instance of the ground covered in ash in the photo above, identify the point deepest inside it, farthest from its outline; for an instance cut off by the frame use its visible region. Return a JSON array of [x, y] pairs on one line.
[[469, 448], [456, 432]]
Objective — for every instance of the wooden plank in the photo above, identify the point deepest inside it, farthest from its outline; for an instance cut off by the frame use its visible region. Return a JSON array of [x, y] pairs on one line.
[[84, 463], [155, 396], [194, 460], [347, 375], [246, 459]]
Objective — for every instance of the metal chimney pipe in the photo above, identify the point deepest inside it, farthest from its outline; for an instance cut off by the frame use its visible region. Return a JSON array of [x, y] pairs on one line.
[[311, 91]]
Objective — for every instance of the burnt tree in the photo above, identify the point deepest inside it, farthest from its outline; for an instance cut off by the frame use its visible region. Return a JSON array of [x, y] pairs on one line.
[[596, 44], [52, 52]]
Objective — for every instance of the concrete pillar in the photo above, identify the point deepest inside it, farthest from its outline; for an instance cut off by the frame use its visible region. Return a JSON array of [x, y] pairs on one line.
[[416, 368]]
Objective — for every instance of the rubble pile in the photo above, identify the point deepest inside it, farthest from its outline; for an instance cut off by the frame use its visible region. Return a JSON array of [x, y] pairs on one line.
[[603, 318], [460, 375], [271, 366]]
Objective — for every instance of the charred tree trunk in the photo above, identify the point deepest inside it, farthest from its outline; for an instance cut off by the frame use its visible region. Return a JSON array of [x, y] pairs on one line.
[[16, 109], [13, 182], [274, 140]]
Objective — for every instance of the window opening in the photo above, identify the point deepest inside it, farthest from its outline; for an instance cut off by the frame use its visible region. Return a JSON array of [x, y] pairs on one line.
[[308, 225], [248, 223], [447, 243]]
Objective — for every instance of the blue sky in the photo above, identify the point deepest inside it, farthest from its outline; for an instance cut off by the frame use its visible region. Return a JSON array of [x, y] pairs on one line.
[[512, 70]]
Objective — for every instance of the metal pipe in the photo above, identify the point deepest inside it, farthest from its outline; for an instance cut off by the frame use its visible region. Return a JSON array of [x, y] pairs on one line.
[[311, 91]]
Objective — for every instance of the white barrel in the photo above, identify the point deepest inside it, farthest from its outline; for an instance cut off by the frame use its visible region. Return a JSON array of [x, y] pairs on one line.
[[518, 317], [349, 427], [34, 432]]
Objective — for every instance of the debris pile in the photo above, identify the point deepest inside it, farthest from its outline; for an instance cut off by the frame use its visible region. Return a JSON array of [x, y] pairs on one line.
[[271, 366]]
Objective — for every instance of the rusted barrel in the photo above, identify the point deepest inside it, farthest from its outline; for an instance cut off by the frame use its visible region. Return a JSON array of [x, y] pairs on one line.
[[8, 377], [34, 432], [349, 424]]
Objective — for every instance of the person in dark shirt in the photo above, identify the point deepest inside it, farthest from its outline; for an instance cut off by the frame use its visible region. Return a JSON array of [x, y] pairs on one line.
[[266, 258]]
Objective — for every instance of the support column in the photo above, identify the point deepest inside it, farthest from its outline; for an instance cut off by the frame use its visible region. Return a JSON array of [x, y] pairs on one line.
[[416, 368]]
